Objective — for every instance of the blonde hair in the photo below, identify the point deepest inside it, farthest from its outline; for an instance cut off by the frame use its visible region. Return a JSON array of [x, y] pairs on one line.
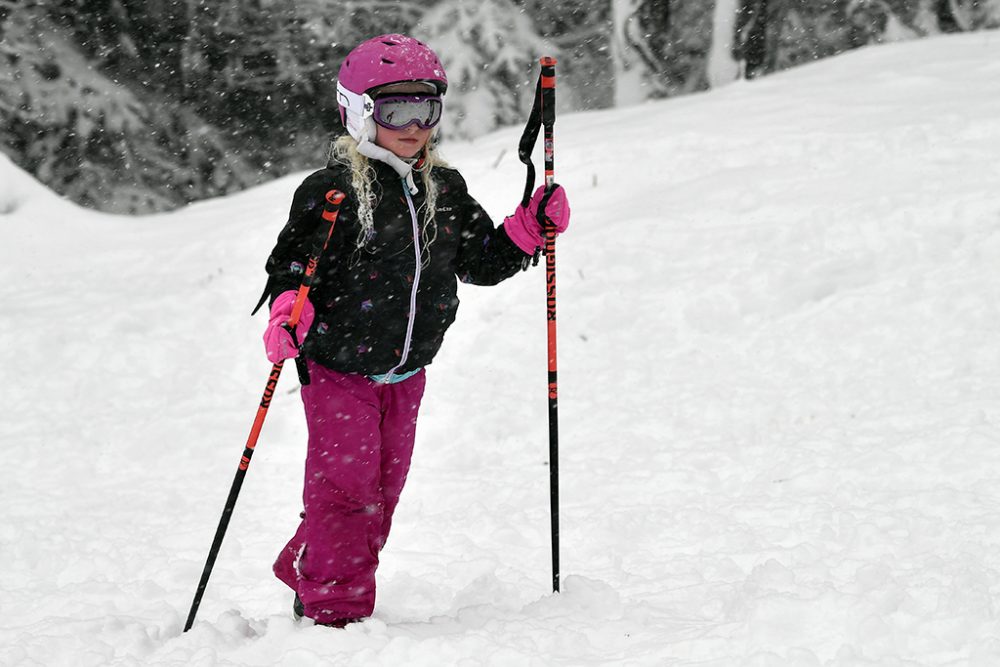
[[345, 151]]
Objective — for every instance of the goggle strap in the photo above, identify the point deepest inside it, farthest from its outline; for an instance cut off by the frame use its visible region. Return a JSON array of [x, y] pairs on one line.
[[362, 105]]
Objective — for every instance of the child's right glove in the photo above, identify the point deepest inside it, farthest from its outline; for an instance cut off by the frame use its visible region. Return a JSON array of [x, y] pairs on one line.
[[278, 342], [523, 227]]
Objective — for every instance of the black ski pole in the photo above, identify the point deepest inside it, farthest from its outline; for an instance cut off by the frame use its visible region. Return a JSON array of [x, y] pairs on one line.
[[543, 113], [548, 112], [330, 211]]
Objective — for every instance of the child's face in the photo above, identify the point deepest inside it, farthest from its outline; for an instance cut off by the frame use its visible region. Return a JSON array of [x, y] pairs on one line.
[[409, 141]]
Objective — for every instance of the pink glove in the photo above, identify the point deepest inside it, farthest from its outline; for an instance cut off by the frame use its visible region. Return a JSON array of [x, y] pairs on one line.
[[522, 227], [277, 341]]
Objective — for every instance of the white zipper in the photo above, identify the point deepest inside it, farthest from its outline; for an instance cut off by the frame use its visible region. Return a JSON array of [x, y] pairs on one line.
[[413, 292]]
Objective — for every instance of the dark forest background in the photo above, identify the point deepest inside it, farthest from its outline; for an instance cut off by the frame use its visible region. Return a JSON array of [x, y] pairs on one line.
[[144, 105]]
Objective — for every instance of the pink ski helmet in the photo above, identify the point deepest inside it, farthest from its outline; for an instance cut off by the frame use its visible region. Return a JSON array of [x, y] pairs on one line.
[[379, 61]]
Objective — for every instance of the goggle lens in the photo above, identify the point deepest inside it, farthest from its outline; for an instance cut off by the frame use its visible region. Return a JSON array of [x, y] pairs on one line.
[[397, 112]]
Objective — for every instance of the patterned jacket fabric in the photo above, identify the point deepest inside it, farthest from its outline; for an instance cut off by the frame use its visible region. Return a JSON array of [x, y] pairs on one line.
[[362, 295]]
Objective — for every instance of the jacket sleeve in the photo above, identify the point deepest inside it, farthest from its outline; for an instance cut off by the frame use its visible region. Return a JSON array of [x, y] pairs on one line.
[[486, 255], [287, 262]]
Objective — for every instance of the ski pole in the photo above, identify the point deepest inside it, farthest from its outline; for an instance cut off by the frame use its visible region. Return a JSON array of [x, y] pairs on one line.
[[330, 211], [548, 113]]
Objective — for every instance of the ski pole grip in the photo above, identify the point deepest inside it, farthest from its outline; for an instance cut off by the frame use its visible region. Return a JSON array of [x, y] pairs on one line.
[[334, 198], [548, 71], [548, 113]]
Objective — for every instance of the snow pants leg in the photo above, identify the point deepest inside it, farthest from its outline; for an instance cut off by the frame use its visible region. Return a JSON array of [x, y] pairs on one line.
[[361, 437]]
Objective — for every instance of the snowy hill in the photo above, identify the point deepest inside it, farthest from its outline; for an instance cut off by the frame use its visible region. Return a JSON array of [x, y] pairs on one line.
[[780, 402]]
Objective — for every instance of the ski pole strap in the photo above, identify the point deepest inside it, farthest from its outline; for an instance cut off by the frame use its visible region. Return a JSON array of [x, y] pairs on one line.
[[528, 140], [543, 219], [300, 361], [543, 112], [268, 288]]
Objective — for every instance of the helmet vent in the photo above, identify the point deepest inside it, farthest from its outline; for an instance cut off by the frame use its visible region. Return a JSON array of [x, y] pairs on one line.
[[388, 62]]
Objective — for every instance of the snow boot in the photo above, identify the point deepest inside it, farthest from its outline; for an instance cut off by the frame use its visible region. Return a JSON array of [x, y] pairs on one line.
[[299, 611]]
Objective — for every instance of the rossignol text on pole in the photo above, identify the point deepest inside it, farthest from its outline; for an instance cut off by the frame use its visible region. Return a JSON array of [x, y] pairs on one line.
[[330, 211]]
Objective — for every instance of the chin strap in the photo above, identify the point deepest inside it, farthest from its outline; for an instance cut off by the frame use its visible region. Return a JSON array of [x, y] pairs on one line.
[[371, 150]]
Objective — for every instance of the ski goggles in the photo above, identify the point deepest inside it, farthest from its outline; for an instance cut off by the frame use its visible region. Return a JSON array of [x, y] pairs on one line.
[[397, 112], [394, 111]]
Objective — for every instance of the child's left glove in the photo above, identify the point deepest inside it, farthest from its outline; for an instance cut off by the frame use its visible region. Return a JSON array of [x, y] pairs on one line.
[[523, 227], [278, 342]]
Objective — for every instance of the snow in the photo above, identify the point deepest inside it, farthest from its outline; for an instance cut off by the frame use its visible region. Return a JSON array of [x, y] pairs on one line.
[[779, 382]]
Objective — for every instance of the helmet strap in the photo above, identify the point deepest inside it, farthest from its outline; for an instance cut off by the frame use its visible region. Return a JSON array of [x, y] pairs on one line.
[[372, 150]]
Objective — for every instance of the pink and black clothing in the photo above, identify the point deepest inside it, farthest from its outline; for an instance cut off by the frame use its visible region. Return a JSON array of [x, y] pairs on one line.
[[363, 296], [381, 313]]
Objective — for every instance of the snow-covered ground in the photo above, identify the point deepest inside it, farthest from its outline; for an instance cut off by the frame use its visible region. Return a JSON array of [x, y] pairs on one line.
[[780, 403]]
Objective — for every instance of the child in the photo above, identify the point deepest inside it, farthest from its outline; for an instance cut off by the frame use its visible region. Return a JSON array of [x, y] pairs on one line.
[[383, 296]]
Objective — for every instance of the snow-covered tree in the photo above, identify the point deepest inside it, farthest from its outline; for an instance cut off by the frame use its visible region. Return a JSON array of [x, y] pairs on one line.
[[659, 47], [60, 115], [146, 104], [722, 67], [630, 55], [490, 50], [630, 70], [776, 34], [580, 31], [968, 14], [93, 138]]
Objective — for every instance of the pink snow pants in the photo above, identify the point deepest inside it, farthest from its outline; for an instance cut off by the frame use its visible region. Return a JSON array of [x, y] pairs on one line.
[[360, 441]]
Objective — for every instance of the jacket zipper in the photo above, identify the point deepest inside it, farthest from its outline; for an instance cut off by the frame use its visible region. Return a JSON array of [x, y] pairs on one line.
[[413, 292]]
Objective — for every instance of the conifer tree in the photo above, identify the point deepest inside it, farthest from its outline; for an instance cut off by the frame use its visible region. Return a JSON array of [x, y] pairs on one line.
[[490, 51]]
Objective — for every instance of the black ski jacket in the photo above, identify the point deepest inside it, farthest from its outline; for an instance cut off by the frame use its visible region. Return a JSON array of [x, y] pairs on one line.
[[362, 295]]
